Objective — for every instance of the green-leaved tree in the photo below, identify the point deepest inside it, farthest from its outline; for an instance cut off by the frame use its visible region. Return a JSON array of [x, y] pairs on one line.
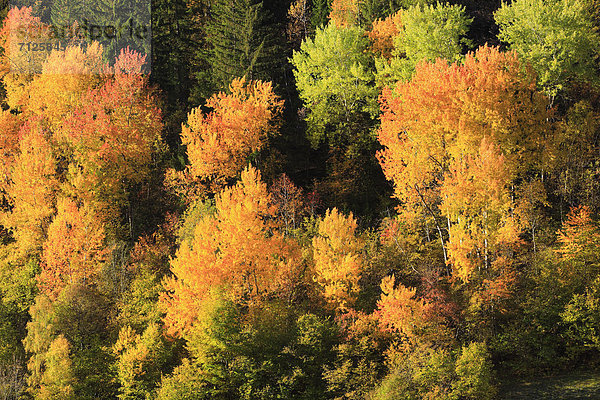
[[557, 37]]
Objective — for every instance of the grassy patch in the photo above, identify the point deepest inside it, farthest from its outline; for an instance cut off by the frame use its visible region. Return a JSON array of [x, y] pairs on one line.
[[576, 385]]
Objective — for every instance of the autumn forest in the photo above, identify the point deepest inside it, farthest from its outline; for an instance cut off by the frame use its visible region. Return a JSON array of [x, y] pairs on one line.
[[299, 199]]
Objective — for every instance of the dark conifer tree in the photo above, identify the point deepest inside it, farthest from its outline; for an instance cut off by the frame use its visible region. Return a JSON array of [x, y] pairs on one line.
[[320, 13], [179, 66], [243, 41]]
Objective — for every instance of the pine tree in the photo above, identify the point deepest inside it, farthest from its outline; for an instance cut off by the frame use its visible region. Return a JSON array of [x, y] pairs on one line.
[[180, 59], [320, 13], [63, 13], [242, 43]]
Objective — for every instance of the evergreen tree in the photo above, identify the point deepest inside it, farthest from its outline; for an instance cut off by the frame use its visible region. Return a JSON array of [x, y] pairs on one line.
[[320, 13], [241, 42], [179, 59], [371, 10], [63, 13], [128, 21]]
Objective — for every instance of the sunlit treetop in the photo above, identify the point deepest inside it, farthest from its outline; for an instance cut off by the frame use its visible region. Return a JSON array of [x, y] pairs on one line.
[[558, 37], [220, 142], [238, 249], [344, 13], [383, 33], [454, 137], [338, 262]]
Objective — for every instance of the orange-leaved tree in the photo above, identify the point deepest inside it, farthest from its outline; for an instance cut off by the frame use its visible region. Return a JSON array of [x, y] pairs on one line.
[[400, 309], [455, 138], [238, 250], [382, 34], [18, 65], [110, 137], [10, 126], [579, 240], [219, 143], [344, 13], [102, 123], [73, 252]]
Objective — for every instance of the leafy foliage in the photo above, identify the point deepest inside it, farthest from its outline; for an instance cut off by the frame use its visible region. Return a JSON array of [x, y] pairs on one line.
[[237, 249], [558, 38], [335, 81], [219, 143], [424, 33], [459, 159], [73, 251], [337, 258], [132, 269]]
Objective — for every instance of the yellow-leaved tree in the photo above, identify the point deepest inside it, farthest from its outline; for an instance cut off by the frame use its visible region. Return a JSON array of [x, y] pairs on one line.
[[338, 262], [31, 188]]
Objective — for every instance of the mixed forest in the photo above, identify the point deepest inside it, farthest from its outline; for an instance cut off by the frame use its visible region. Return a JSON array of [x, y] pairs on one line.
[[307, 199]]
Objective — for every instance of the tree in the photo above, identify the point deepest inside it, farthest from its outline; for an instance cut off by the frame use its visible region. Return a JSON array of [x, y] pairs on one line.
[[65, 79], [261, 353], [41, 333], [185, 383], [334, 77], [424, 33], [32, 188], [220, 142], [382, 35], [486, 225], [335, 81], [532, 196], [558, 38], [138, 361], [427, 372], [373, 10], [289, 201], [359, 362], [57, 379], [50, 367], [242, 42], [101, 123], [344, 13], [579, 240], [455, 136], [180, 59], [80, 314], [338, 262], [431, 32], [111, 138], [298, 25], [418, 371], [238, 249], [399, 309], [21, 25], [73, 252], [574, 162], [9, 148], [474, 372]]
